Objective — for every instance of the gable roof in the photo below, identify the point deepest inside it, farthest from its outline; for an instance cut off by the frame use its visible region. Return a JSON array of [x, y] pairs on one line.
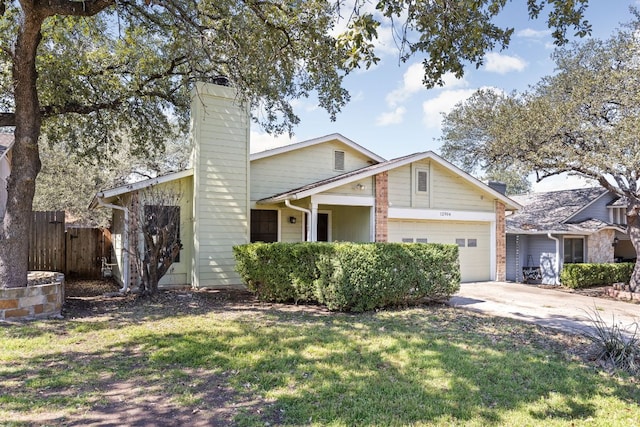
[[6, 141], [345, 178], [315, 141], [551, 212], [110, 194]]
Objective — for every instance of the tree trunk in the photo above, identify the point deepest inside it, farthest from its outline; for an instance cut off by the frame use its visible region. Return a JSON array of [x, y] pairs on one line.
[[633, 229], [25, 162]]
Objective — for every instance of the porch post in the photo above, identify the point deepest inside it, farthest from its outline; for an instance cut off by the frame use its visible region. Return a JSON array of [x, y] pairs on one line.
[[314, 221]]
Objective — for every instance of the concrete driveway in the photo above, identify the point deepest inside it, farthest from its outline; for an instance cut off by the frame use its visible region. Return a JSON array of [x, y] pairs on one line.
[[545, 307]]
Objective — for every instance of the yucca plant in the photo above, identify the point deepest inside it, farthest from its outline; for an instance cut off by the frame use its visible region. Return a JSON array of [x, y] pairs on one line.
[[615, 345]]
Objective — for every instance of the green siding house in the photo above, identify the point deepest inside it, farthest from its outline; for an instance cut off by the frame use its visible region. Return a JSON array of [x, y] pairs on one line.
[[325, 189]]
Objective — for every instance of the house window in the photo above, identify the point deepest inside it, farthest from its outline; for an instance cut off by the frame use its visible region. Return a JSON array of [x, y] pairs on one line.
[[421, 181], [264, 226], [338, 160], [421, 240], [472, 243], [407, 240], [460, 242], [573, 250], [163, 217]]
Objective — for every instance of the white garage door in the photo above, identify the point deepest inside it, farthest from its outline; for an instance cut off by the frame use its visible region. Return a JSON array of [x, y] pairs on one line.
[[473, 239]]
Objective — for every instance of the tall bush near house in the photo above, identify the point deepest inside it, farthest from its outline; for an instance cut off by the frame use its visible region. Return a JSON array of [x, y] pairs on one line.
[[349, 276], [280, 272], [362, 277]]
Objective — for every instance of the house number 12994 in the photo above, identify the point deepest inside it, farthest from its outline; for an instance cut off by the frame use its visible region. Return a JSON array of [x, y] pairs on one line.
[[445, 213]]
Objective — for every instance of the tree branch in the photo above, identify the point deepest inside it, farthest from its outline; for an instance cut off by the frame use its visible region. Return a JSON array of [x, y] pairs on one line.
[[72, 7]]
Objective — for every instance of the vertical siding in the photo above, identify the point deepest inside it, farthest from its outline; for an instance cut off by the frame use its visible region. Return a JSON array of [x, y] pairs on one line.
[[221, 184], [512, 259], [286, 171]]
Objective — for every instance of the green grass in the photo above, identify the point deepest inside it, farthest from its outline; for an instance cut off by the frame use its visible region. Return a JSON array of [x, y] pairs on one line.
[[423, 366]]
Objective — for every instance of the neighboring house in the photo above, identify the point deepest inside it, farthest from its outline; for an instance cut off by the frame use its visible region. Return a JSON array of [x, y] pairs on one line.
[[562, 227], [6, 141], [325, 189]]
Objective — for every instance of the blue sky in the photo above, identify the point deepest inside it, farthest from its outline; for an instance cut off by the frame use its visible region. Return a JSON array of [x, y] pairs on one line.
[[392, 114]]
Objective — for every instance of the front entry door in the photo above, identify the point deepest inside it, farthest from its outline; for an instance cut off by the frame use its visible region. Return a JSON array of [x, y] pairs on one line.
[[323, 227]]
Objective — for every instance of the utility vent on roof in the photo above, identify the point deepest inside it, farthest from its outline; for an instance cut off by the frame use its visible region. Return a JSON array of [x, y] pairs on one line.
[[338, 160]]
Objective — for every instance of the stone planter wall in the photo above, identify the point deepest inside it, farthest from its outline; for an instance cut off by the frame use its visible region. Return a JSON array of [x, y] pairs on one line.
[[42, 298]]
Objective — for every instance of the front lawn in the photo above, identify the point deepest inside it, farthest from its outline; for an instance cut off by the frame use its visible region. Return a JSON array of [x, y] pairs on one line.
[[198, 357]]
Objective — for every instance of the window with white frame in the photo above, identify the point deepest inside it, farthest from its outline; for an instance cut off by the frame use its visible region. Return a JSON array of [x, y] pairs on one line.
[[338, 160], [422, 182]]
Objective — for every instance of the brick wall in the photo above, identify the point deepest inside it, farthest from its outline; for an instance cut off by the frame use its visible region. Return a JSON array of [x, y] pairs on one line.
[[501, 243], [382, 206]]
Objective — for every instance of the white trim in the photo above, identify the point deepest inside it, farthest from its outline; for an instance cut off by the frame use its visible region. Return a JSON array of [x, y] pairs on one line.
[[330, 199], [372, 223], [128, 188], [327, 138], [440, 215], [390, 165]]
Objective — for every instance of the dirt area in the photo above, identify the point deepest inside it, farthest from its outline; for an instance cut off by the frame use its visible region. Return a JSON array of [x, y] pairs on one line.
[[126, 404]]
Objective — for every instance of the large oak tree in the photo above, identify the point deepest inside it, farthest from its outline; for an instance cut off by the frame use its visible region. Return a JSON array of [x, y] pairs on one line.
[[93, 72], [584, 120]]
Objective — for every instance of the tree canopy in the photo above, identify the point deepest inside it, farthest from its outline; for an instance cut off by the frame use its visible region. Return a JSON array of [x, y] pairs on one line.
[[96, 72], [584, 119]]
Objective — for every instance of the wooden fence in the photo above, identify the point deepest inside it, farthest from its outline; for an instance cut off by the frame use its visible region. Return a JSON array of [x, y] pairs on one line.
[[77, 252]]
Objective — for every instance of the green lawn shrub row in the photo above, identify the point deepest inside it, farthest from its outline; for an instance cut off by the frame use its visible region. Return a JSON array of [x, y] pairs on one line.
[[349, 276], [577, 276]]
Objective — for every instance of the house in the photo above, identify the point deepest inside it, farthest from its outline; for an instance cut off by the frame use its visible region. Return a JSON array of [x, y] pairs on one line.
[[325, 189], [562, 227], [6, 142]]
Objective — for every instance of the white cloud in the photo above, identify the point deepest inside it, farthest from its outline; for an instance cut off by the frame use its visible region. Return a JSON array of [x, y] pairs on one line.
[[502, 64], [442, 104], [391, 118], [263, 141], [530, 33], [451, 81], [411, 83]]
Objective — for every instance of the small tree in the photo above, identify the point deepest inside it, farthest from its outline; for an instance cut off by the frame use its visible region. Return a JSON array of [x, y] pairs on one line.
[[157, 216]]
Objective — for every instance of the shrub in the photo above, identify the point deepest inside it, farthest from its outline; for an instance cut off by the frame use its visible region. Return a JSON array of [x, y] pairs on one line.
[[350, 276], [280, 272], [585, 275]]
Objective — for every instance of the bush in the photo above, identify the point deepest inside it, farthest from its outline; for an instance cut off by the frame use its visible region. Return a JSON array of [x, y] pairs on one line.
[[350, 276], [577, 276], [280, 272]]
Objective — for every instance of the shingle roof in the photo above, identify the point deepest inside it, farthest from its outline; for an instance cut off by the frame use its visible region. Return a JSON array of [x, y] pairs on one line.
[[547, 212]]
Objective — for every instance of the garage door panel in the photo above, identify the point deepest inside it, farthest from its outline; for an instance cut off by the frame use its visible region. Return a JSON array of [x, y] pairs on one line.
[[475, 263]]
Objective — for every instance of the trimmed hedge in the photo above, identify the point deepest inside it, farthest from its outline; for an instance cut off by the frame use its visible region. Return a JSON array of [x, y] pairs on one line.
[[349, 276], [577, 276]]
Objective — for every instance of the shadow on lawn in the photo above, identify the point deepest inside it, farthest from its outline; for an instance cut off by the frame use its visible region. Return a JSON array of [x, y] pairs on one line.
[[248, 363]]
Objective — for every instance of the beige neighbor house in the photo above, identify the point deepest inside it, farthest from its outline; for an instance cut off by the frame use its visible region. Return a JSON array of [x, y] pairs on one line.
[[325, 189], [6, 142]]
